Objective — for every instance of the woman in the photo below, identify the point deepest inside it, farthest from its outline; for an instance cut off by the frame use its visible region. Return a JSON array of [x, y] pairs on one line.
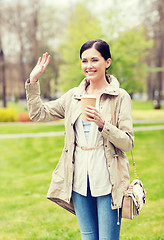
[[87, 178]]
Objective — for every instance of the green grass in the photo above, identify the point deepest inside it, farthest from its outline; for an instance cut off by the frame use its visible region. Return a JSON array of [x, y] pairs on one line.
[[36, 128], [148, 124], [148, 114], [30, 128], [144, 110], [16, 106], [143, 105], [26, 167]]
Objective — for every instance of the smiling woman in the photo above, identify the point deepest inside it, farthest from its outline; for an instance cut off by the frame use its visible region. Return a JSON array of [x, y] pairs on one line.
[[86, 180], [93, 64], [96, 58]]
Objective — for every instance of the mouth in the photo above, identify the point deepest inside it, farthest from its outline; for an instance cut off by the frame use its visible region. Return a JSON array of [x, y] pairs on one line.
[[90, 72]]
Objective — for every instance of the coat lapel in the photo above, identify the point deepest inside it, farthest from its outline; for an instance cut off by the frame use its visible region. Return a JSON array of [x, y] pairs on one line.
[[76, 111]]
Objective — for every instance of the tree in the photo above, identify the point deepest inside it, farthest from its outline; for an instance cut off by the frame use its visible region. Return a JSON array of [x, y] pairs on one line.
[[128, 62], [160, 49], [153, 12], [82, 26], [33, 26], [20, 22], [49, 30], [128, 48], [2, 74], [2, 68]]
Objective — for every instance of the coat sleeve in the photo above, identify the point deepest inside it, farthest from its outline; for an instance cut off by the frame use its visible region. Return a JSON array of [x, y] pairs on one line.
[[121, 135], [39, 111]]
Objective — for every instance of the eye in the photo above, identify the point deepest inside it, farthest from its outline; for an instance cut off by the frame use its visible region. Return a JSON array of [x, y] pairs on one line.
[[84, 61], [95, 60]]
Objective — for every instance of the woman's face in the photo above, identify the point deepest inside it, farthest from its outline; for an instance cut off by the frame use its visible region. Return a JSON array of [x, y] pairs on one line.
[[93, 64]]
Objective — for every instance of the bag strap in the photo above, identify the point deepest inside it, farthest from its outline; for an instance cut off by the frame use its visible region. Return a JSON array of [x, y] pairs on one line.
[[116, 155]]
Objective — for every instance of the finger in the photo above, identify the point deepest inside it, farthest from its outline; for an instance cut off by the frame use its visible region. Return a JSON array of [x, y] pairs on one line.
[[47, 61], [39, 60], [94, 115], [92, 111], [89, 115], [91, 107], [88, 111], [89, 120], [44, 58]]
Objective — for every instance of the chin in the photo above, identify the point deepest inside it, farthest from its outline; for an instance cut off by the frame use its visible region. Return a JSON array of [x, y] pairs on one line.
[[91, 78]]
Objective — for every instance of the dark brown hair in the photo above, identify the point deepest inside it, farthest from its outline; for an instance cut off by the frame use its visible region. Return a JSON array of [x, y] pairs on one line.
[[101, 46]]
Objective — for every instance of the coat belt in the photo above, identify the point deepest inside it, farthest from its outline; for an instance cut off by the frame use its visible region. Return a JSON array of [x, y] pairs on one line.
[[90, 148]]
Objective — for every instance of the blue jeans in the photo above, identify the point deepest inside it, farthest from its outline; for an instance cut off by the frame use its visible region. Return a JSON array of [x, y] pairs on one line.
[[96, 219]]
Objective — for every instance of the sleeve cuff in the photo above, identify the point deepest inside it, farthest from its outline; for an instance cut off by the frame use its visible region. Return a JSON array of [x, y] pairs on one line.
[[32, 87]]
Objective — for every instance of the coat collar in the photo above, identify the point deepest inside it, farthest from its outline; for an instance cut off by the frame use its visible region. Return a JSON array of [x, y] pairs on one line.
[[112, 89]]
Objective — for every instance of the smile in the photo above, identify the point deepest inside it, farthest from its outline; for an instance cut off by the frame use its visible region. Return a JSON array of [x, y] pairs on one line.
[[90, 72]]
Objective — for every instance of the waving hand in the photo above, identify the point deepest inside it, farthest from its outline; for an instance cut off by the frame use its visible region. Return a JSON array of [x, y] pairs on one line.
[[40, 67]]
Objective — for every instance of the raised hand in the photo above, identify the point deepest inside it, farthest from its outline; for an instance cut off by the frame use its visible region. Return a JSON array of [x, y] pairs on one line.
[[40, 67]]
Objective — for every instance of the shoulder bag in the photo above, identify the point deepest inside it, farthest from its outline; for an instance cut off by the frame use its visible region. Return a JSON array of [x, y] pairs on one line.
[[134, 197]]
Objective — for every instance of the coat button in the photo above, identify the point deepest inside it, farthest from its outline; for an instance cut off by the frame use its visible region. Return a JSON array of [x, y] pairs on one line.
[[71, 124], [106, 145], [66, 150]]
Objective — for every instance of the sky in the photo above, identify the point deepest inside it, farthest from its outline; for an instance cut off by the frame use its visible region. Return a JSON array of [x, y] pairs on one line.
[[130, 8]]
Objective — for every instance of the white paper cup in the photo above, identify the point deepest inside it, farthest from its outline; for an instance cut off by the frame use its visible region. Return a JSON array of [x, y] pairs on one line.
[[87, 100]]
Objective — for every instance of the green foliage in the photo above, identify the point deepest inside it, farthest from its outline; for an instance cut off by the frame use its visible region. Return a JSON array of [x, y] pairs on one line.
[[82, 26], [8, 115], [128, 65], [128, 48]]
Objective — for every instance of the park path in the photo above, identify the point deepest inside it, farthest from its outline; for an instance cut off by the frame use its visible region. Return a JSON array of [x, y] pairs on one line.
[[54, 134]]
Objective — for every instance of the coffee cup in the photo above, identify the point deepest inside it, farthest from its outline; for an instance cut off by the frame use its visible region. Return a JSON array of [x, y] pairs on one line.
[[89, 100]]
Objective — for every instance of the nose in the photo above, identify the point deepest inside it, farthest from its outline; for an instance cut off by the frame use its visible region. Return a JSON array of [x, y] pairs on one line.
[[89, 65]]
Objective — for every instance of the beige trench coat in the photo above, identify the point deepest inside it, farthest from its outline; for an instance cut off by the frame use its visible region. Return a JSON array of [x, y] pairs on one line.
[[68, 107]]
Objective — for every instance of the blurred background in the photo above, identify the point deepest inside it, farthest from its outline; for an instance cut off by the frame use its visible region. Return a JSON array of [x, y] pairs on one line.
[[133, 29], [29, 152]]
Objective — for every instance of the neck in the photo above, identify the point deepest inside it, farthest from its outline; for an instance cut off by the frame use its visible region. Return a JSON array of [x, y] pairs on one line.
[[97, 87]]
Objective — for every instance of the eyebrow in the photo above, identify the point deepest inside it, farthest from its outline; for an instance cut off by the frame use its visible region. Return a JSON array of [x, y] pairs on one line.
[[91, 58]]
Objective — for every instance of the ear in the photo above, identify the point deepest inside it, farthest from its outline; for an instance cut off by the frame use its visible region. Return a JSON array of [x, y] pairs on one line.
[[108, 62]]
